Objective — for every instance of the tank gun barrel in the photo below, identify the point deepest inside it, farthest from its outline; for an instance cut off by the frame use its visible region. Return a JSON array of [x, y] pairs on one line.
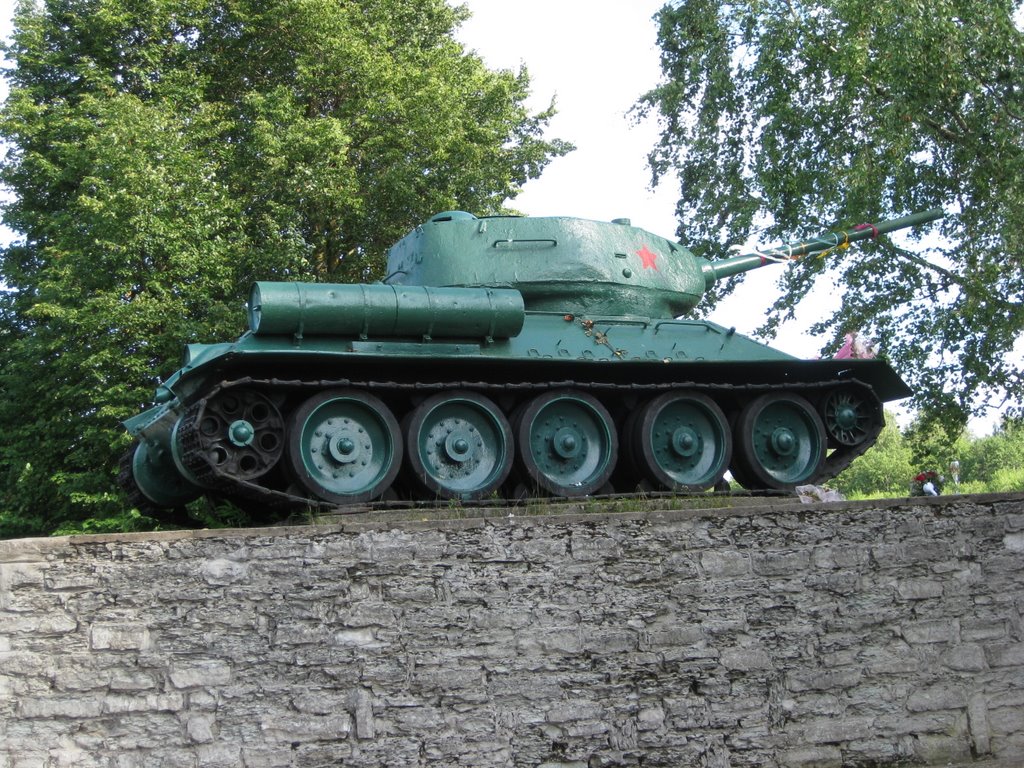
[[716, 270]]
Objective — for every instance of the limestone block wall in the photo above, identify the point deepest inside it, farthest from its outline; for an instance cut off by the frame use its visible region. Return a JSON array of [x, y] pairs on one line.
[[799, 636]]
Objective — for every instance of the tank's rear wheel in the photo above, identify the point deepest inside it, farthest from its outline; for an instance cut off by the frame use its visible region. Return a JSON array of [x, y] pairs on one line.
[[458, 445], [680, 441], [241, 433], [566, 443], [780, 441], [344, 446]]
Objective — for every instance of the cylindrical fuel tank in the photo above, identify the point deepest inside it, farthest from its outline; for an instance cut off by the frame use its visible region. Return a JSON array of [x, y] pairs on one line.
[[390, 311]]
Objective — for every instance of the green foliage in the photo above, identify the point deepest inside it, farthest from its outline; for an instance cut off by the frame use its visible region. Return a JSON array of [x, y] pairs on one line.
[[1003, 450], [886, 469], [933, 445], [803, 115], [166, 153], [990, 464]]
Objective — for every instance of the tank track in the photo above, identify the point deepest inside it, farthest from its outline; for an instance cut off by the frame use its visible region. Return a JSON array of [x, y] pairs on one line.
[[223, 484]]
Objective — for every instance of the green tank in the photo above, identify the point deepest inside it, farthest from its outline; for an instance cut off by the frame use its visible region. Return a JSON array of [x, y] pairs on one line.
[[504, 356]]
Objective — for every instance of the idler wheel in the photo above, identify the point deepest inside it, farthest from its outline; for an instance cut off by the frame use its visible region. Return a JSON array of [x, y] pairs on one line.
[[680, 441], [780, 442], [154, 486], [566, 443], [344, 446], [458, 445]]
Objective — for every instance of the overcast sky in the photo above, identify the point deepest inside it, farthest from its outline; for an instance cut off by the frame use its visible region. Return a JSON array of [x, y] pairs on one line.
[[595, 58]]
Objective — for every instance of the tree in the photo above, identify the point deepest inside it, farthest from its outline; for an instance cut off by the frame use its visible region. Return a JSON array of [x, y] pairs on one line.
[[885, 469], [163, 154], [799, 116], [984, 458]]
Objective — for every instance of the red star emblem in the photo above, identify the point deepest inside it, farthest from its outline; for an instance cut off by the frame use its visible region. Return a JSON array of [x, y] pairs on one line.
[[647, 257]]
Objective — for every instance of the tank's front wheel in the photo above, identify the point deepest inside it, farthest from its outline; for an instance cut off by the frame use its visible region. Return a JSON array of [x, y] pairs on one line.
[[566, 443], [680, 441], [780, 442], [344, 446], [458, 445]]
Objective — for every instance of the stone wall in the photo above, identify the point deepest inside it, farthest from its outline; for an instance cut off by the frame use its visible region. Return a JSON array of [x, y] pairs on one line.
[[858, 634]]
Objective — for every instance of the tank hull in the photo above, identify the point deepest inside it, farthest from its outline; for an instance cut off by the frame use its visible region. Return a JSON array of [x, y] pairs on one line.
[[504, 356], [609, 388]]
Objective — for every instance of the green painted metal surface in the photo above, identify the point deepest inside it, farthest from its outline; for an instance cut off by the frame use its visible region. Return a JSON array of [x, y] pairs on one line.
[[315, 309], [558, 264]]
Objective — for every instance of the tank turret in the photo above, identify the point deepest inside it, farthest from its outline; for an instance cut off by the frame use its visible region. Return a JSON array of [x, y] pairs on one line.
[[578, 265], [503, 356]]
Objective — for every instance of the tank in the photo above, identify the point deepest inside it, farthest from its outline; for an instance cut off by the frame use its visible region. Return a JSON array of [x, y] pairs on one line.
[[502, 357]]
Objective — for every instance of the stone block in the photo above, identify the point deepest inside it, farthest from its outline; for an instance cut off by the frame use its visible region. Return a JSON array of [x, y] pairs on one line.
[[17, 575], [718, 564], [745, 659], [969, 657], [574, 711], [848, 557], [650, 719], [200, 728], [981, 630], [602, 641], [119, 637], [1014, 542], [131, 680], [664, 635], [799, 680], [919, 588], [117, 704], [936, 697], [289, 727], [219, 755], [57, 580], [811, 757], [31, 550], [359, 638], [293, 633], [221, 571], [590, 548], [926, 632], [266, 757], [940, 749], [74, 707], [555, 640], [1005, 655], [784, 563], [53, 622], [978, 725], [26, 760], [828, 730], [200, 674]]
